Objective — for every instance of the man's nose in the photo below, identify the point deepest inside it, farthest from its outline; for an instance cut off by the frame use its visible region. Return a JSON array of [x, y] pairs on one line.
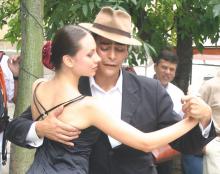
[[167, 71], [112, 54]]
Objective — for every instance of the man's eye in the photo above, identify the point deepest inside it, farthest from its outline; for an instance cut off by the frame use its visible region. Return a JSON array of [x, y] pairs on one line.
[[104, 48], [120, 49]]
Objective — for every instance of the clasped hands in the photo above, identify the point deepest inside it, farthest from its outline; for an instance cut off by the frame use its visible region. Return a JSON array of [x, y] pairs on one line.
[[195, 107]]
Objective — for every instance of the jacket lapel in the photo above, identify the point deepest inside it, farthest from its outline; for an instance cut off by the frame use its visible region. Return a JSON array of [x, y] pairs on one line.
[[84, 86], [130, 97]]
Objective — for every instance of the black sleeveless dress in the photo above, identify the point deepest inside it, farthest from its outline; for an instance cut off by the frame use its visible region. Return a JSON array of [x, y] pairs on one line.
[[53, 157]]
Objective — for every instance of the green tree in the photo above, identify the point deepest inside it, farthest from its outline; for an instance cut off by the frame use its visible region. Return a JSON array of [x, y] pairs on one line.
[[31, 68], [195, 22]]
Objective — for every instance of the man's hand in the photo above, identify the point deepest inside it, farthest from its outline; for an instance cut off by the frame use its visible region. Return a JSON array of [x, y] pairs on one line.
[[195, 107], [14, 65], [54, 129]]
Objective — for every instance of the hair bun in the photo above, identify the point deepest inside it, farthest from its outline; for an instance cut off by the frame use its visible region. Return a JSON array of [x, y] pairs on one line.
[[46, 55]]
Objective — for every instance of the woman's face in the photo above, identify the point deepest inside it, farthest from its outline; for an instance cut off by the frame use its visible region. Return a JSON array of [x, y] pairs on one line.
[[86, 59]]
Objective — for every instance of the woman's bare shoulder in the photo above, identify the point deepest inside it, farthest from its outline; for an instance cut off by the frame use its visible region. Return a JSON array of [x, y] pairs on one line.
[[91, 102], [40, 80]]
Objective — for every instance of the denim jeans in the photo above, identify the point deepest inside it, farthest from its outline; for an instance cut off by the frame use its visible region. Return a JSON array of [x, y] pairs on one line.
[[192, 164]]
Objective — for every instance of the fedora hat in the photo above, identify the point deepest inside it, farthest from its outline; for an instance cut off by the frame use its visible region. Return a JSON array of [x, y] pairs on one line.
[[114, 25]]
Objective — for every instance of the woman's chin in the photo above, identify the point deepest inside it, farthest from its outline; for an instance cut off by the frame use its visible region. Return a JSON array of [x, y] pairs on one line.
[[91, 74]]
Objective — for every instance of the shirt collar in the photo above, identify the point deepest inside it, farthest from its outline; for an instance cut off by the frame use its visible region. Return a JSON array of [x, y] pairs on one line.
[[167, 86], [118, 85]]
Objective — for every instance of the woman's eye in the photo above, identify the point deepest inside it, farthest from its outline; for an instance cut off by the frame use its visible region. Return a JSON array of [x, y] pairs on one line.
[[90, 55]]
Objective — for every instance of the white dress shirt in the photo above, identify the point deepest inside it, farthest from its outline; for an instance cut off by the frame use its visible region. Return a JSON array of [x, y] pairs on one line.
[[112, 101], [176, 95]]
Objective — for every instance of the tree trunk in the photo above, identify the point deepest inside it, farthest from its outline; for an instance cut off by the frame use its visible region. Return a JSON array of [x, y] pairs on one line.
[[30, 69], [185, 54]]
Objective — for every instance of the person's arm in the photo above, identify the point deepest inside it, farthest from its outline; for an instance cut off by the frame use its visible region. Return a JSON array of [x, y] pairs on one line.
[[194, 141], [146, 142], [18, 128], [14, 66], [122, 131], [51, 127], [56, 130]]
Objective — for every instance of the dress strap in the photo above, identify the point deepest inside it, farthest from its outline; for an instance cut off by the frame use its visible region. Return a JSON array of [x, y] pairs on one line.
[[66, 103], [35, 99]]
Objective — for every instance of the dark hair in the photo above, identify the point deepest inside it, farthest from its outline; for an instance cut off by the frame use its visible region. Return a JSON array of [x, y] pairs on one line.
[[168, 55], [66, 42]]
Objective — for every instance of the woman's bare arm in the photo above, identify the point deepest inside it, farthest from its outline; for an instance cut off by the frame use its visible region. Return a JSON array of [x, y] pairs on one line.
[[92, 114], [133, 137]]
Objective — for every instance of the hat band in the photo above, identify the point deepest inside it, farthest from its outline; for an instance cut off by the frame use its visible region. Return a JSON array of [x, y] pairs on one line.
[[112, 30]]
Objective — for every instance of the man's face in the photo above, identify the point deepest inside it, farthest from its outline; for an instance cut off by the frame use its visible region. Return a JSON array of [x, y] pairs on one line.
[[112, 55], [165, 71]]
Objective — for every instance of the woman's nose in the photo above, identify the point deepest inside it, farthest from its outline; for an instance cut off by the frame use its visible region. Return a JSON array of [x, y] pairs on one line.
[[97, 58]]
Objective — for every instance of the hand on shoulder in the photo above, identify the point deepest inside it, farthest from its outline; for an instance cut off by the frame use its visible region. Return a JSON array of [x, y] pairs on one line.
[[54, 129]]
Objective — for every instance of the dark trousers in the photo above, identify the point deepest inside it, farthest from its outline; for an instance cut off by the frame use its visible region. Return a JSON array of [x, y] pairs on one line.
[[192, 164], [165, 167]]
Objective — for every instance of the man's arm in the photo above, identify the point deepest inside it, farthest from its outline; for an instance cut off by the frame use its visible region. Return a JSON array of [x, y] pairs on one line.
[[51, 128], [54, 129], [194, 140], [18, 128]]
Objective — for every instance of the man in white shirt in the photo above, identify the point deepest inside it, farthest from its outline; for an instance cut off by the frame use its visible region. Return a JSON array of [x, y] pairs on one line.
[[165, 69]]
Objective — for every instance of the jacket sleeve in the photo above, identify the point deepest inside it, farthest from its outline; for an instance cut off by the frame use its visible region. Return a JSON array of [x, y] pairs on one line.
[[190, 143], [193, 141], [18, 128]]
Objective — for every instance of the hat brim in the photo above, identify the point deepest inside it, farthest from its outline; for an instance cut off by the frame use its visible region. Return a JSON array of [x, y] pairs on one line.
[[109, 35]]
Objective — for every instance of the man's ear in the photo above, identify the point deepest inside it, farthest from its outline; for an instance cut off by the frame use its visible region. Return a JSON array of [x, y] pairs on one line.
[[68, 61]]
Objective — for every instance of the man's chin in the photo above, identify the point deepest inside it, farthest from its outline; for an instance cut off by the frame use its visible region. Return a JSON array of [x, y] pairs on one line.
[[107, 72], [164, 83]]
